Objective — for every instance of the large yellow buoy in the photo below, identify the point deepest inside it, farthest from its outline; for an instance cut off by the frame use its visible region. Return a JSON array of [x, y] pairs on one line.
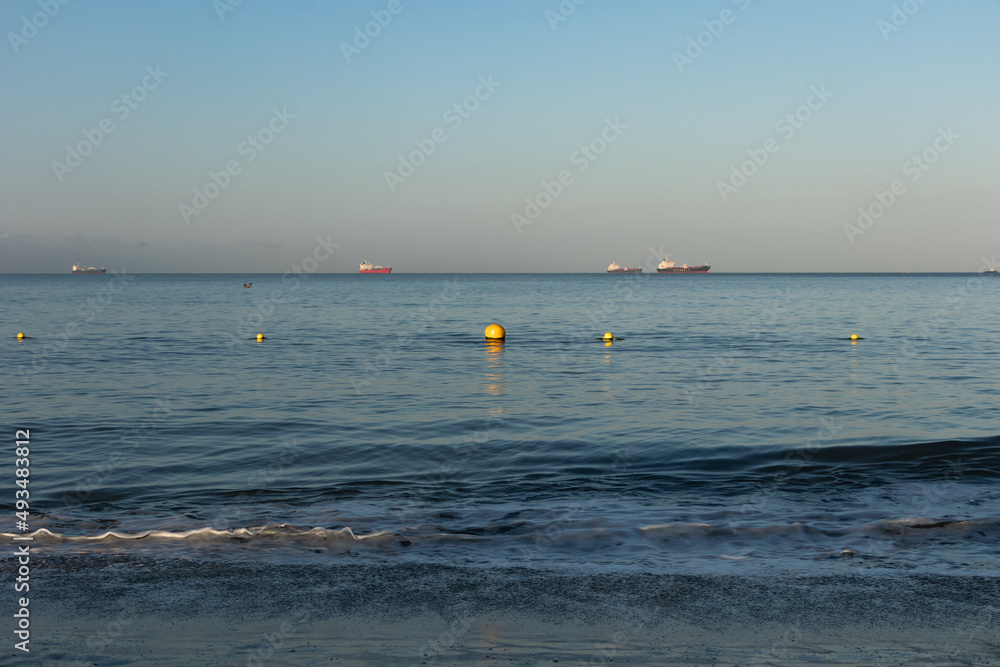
[[260, 336], [854, 336], [608, 336], [20, 335], [495, 332]]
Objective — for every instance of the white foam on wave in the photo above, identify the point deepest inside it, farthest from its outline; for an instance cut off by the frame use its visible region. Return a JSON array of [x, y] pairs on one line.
[[592, 536], [45, 536], [565, 531]]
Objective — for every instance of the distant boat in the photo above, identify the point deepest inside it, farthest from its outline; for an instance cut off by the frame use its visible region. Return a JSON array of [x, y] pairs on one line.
[[366, 267], [79, 269], [666, 266], [992, 272], [614, 268]]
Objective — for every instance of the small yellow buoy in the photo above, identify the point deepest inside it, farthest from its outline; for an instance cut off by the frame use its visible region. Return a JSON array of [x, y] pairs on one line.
[[20, 335], [260, 336], [495, 332], [854, 336], [608, 336]]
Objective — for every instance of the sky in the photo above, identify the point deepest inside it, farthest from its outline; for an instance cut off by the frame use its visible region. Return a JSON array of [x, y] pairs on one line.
[[455, 136]]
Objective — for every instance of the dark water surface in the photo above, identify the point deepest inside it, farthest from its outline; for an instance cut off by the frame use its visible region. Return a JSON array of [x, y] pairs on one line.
[[733, 428]]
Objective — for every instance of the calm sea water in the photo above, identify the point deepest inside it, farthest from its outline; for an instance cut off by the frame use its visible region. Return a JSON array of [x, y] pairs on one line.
[[733, 428]]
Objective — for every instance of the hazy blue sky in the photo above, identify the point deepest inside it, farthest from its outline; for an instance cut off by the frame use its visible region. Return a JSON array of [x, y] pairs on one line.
[[114, 115]]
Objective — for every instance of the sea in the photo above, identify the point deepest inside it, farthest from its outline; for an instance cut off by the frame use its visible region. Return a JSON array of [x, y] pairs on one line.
[[732, 426]]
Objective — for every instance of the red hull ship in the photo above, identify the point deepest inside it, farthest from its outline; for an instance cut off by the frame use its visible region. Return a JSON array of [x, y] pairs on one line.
[[666, 266], [366, 267]]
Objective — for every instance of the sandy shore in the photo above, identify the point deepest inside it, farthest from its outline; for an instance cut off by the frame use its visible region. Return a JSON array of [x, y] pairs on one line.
[[113, 610]]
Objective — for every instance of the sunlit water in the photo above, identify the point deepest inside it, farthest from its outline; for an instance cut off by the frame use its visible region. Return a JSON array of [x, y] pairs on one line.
[[734, 427]]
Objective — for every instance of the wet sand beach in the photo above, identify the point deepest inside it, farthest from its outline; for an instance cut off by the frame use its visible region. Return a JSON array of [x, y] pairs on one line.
[[117, 609]]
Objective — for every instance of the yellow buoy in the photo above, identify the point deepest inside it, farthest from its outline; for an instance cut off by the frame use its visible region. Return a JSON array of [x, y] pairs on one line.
[[260, 336], [608, 336], [496, 332], [20, 335], [854, 336]]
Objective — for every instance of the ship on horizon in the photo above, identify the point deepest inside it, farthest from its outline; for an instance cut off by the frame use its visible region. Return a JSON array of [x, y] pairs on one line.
[[614, 268], [666, 266], [77, 268], [366, 267]]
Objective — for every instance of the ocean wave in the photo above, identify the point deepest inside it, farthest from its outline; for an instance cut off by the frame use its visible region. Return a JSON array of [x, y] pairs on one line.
[[579, 536]]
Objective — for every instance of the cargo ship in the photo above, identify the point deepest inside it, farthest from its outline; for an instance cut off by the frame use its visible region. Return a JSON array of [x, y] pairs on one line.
[[77, 268], [666, 266], [366, 267], [614, 268]]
